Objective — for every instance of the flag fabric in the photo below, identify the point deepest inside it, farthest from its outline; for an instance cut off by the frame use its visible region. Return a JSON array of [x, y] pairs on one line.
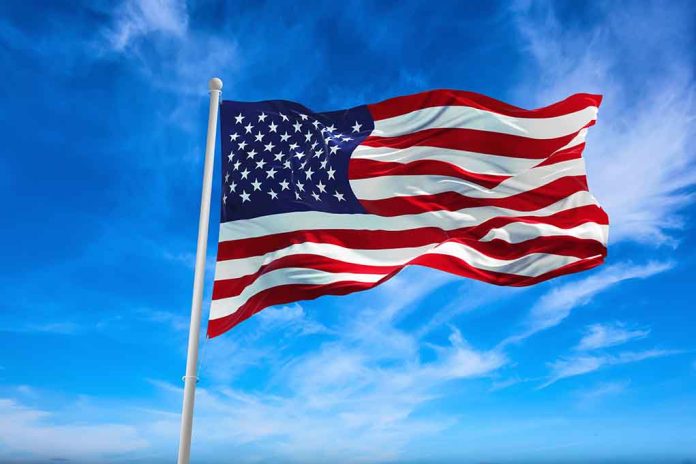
[[336, 202]]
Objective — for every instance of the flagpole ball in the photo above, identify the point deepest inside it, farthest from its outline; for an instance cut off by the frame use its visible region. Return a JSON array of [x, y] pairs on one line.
[[215, 84]]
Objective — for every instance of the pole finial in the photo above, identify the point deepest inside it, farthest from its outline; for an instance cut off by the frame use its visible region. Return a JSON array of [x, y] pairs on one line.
[[215, 84]]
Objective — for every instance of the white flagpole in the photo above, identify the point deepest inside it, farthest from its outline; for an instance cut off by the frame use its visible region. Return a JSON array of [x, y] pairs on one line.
[[190, 379]]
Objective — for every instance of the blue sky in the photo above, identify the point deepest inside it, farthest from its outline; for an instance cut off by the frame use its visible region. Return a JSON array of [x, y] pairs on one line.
[[103, 118]]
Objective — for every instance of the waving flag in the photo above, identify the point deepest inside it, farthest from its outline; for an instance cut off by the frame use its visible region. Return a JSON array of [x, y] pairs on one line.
[[332, 203]]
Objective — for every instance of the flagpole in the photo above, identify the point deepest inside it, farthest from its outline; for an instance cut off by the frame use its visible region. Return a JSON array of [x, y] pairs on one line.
[[190, 379]]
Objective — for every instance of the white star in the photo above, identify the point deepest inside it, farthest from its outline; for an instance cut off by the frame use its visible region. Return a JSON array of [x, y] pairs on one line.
[[297, 126], [233, 187], [251, 154], [347, 139], [333, 149], [303, 116], [339, 196], [287, 164], [248, 128], [227, 177], [285, 118], [293, 146], [233, 137], [244, 173], [269, 146], [318, 153], [297, 196], [236, 165], [239, 118], [316, 124], [316, 196], [262, 117], [308, 136], [272, 194], [304, 163], [256, 184], [245, 196], [260, 164], [284, 185], [273, 127], [259, 137], [279, 156], [241, 145], [224, 199], [356, 126], [331, 173], [299, 155], [300, 186], [321, 187], [331, 128], [323, 164], [314, 144], [285, 137], [271, 173], [309, 173], [230, 156]]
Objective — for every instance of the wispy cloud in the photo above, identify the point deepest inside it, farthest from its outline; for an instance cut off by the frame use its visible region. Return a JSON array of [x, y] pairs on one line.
[[556, 305], [584, 364], [41, 434], [135, 19], [292, 319], [590, 397], [605, 335], [346, 400]]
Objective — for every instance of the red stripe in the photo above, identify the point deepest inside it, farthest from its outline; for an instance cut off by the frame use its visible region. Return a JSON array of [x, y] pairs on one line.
[[365, 169], [452, 201], [281, 295], [290, 293], [563, 155], [380, 239], [445, 97], [499, 249], [478, 141]]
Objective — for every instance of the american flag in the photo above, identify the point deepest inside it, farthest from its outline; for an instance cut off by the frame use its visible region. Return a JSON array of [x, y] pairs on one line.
[[332, 203]]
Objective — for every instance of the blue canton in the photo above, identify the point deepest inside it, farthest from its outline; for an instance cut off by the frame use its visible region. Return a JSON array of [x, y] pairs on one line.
[[279, 157]]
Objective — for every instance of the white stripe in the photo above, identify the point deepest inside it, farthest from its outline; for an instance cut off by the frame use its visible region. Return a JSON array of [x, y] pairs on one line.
[[517, 232], [286, 276], [531, 265], [480, 163], [234, 268], [377, 188], [478, 119], [467, 160], [445, 220]]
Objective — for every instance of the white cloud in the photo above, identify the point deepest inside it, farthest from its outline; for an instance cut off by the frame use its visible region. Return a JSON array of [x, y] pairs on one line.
[[345, 400], [605, 335], [40, 434], [556, 305], [292, 319], [584, 364], [596, 394], [138, 18], [640, 154]]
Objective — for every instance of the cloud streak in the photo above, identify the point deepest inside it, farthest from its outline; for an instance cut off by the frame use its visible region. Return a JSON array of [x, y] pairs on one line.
[[580, 365], [605, 335], [556, 305], [38, 432]]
